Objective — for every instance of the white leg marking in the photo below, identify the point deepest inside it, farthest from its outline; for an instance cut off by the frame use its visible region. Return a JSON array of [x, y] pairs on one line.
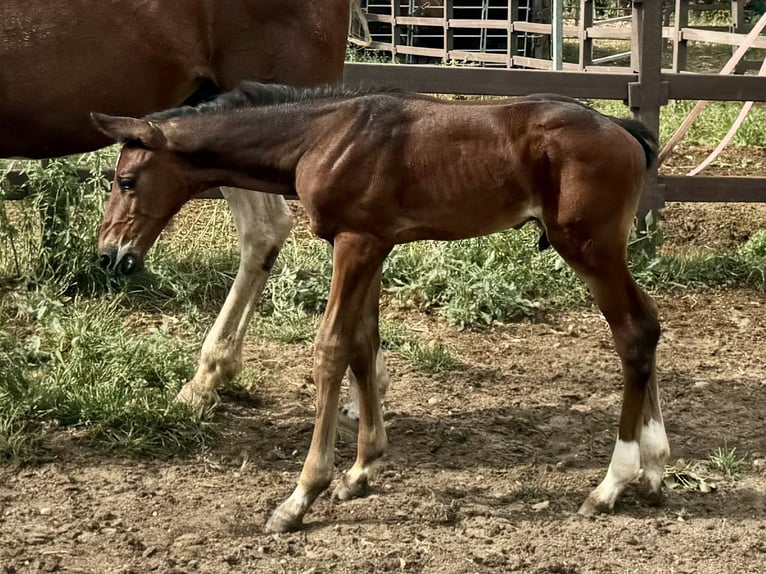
[[654, 451], [624, 468]]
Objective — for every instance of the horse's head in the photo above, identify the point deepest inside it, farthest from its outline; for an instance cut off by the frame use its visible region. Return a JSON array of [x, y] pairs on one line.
[[150, 186]]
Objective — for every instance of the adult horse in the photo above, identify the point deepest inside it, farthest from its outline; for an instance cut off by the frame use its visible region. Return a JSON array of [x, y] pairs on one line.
[[61, 59], [373, 170]]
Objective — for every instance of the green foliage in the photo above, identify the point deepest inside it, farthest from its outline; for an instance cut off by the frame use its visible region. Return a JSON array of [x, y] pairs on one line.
[[19, 432], [744, 267], [301, 277], [78, 367], [427, 356], [501, 277], [51, 235], [728, 462]]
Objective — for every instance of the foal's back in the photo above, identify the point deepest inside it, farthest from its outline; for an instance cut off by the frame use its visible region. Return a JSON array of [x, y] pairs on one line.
[[439, 169]]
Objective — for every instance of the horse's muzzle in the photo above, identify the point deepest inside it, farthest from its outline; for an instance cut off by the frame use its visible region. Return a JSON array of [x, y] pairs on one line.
[[118, 263]]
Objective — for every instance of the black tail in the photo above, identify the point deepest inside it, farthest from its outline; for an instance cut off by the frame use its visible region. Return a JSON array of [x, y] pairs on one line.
[[644, 136]]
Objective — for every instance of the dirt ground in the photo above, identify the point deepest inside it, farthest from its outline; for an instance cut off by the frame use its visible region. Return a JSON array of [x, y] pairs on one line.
[[486, 467]]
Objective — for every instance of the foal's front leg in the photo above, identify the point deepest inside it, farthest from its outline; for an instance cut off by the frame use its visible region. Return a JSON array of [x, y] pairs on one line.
[[356, 263], [366, 372], [263, 223]]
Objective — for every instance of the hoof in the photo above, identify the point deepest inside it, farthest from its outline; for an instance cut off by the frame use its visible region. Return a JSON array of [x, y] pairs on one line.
[[592, 507], [347, 490], [651, 496], [280, 522], [197, 400]]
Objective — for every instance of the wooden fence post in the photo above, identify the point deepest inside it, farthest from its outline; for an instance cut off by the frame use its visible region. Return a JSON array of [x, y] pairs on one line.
[[449, 32], [586, 44], [646, 96], [513, 16], [680, 21]]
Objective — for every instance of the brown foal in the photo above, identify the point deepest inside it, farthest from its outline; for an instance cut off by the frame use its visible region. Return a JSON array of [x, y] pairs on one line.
[[374, 169]]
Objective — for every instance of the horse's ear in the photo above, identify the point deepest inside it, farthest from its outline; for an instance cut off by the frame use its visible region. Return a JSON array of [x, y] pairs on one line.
[[124, 130]]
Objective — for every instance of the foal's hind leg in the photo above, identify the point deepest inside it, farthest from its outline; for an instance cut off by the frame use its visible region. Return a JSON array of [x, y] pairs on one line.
[[654, 444], [632, 318], [263, 222]]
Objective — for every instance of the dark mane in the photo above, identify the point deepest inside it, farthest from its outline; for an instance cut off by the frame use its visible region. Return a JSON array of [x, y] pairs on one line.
[[251, 94]]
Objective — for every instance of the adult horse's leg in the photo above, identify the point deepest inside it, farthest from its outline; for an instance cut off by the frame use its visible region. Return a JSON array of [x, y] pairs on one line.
[[263, 223], [356, 263], [632, 316]]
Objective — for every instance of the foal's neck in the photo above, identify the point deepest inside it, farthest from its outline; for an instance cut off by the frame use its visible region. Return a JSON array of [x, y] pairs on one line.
[[244, 148]]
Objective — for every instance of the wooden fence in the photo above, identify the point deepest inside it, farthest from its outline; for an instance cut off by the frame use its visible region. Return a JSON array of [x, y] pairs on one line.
[[645, 88], [518, 33]]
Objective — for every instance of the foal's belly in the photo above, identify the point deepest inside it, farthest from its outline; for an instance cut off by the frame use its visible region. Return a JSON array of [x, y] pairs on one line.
[[465, 223]]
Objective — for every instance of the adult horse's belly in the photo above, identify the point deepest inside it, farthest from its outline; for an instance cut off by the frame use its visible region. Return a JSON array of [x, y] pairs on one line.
[[62, 59]]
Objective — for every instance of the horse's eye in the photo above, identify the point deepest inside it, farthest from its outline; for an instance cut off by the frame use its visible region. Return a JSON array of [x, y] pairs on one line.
[[127, 183]]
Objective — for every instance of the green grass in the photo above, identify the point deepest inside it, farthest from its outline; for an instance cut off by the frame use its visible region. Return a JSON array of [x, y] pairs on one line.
[[727, 461], [74, 364]]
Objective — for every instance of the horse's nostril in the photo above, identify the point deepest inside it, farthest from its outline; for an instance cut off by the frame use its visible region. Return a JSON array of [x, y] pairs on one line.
[[128, 264], [105, 261]]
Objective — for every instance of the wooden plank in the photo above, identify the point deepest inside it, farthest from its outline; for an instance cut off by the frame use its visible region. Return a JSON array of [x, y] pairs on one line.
[[418, 21], [545, 29], [604, 33], [493, 82], [557, 34], [647, 26], [542, 64], [610, 33], [381, 46], [715, 87], [513, 36], [419, 51], [467, 23], [713, 188], [729, 38], [385, 18], [466, 56]]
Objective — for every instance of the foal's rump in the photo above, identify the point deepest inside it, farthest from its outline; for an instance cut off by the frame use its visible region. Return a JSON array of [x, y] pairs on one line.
[[636, 128]]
